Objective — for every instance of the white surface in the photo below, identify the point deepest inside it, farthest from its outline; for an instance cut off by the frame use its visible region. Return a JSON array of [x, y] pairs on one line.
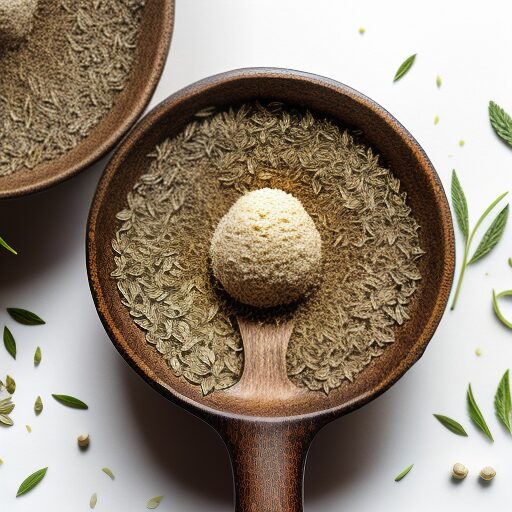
[[154, 447]]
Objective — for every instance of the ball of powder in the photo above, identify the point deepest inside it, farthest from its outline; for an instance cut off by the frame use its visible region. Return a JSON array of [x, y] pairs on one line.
[[266, 250], [16, 21]]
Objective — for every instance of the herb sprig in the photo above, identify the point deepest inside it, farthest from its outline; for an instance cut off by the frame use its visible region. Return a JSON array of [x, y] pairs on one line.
[[501, 122], [491, 237]]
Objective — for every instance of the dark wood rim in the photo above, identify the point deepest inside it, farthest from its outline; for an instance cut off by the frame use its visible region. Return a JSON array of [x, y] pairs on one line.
[[446, 238], [156, 33]]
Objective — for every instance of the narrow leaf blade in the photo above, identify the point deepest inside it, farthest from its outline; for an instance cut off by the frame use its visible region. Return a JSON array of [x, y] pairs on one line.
[[501, 122], [109, 473], [451, 424], [404, 67], [403, 473], [460, 205], [70, 401], [492, 236], [476, 414], [5, 245], [93, 500], [37, 356], [503, 402], [25, 317], [31, 481], [9, 342]]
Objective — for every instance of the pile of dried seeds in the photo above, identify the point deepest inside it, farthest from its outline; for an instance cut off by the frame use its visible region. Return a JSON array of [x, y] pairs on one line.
[[60, 83], [370, 243]]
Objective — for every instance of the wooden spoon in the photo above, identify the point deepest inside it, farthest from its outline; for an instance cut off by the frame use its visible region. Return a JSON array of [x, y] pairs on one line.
[[266, 423]]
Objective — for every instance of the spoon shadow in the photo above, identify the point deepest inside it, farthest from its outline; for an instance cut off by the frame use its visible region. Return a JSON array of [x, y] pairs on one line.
[[45, 228], [197, 459]]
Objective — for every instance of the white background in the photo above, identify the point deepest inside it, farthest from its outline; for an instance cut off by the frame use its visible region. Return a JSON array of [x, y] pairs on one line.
[[154, 447]]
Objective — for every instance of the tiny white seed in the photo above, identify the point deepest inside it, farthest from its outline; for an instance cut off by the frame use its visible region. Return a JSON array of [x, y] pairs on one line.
[[459, 471], [83, 440], [487, 473]]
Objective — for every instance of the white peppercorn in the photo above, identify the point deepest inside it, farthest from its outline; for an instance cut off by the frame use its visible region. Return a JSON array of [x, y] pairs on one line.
[[487, 473], [459, 471]]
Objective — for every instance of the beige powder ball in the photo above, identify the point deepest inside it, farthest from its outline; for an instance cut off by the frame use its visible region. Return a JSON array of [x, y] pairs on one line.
[[16, 21], [266, 250]]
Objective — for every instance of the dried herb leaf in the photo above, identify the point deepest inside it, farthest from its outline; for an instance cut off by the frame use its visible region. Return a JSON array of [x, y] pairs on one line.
[[510, 262], [501, 122], [31, 481], [460, 205], [439, 81], [37, 356], [38, 405], [476, 414], [93, 500], [403, 473], [503, 402], [5, 245], [29, 428], [10, 385], [497, 311], [9, 342], [5, 420], [452, 425], [25, 317], [404, 67], [154, 502], [70, 401], [6, 406], [108, 472], [492, 236]]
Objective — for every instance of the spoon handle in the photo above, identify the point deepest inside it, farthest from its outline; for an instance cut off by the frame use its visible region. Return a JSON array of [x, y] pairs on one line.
[[268, 461]]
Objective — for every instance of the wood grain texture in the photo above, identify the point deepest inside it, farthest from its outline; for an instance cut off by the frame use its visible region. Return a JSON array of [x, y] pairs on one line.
[[154, 41], [267, 427]]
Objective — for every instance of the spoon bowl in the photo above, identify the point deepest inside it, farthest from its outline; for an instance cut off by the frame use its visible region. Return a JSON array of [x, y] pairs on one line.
[[267, 423]]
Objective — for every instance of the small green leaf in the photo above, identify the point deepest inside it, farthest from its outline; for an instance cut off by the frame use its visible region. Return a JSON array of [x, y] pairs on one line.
[[9, 342], [38, 406], [6, 406], [460, 205], [5, 245], [439, 81], [510, 262], [492, 236], [5, 420], [108, 472], [29, 428], [93, 500], [451, 425], [30, 482], [71, 401], [154, 502], [503, 402], [497, 311], [10, 385], [403, 473], [25, 317], [501, 122], [436, 120], [404, 67], [37, 356], [476, 414]]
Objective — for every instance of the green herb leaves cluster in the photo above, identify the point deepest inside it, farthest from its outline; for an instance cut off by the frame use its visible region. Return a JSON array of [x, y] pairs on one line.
[[490, 238], [404, 67], [501, 122]]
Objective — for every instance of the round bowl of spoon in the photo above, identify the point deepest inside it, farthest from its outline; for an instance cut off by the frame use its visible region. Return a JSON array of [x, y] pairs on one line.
[[266, 421], [75, 78]]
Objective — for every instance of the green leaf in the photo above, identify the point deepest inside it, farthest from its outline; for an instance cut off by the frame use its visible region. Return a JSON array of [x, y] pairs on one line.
[[403, 473], [5, 245], [460, 205], [501, 122], [496, 307], [439, 81], [476, 414], [37, 356], [30, 482], [6, 406], [108, 472], [71, 401], [10, 385], [404, 67], [491, 237], [93, 500], [154, 502], [5, 420], [503, 402], [25, 317], [38, 406], [451, 425], [9, 342]]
